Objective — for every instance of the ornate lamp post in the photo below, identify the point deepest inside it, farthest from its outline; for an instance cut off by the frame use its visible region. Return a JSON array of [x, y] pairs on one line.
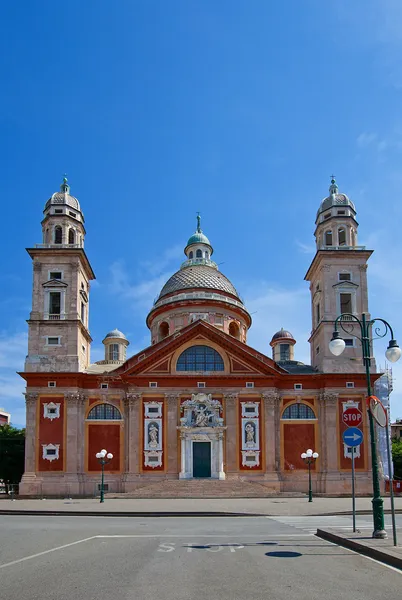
[[393, 353], [309, 458], [104, 458]]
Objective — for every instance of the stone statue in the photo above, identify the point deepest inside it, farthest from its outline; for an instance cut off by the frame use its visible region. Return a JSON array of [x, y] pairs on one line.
[[153, 435], [202, 418], [250, 434]]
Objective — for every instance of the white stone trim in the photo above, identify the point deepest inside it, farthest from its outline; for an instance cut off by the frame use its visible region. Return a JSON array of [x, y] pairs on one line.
[[153, 454], [50, 406], [250, 454], [153, 415], [255, 425], [46, 448], [250, 415]]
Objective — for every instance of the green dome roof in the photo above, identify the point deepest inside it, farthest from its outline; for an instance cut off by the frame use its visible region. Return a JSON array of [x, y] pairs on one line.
[[198, 238]]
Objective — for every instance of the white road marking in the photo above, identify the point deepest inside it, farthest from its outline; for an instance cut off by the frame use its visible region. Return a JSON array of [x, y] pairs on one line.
[[15, 562]]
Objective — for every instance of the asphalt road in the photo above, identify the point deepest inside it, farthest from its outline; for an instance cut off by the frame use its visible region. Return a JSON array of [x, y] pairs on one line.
[[85, 558]]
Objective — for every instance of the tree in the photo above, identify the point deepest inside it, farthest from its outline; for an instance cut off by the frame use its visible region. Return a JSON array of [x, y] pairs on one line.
[[12, 455], [397, 457]]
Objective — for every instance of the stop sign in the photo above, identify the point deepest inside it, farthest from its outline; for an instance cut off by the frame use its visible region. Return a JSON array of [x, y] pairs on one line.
[[352, 416]]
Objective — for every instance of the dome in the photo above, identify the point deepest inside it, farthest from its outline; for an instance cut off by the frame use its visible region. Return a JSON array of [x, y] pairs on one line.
[[115, 333], [335, 199], [281, 335], [198, 238], [198, 276], [63, 198]]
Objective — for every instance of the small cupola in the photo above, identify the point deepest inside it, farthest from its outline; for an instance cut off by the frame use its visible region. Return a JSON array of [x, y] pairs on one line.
[[115, 343], [336, 225], [198, 248], [63, 222], [282, 344]]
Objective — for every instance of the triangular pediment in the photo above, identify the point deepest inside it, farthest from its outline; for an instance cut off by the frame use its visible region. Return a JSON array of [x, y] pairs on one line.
[[346, 284], [157, 359], [55, 283]]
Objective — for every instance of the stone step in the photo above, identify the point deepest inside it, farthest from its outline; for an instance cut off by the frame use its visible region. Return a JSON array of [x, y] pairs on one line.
[[200, 488]]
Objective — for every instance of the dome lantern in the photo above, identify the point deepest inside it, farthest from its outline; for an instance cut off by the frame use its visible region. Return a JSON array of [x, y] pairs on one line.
[[115, 343], [282, 344]]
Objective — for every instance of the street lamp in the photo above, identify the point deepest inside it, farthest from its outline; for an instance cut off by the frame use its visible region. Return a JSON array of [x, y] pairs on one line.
[[104, 458], [309, 458], [393, 353]]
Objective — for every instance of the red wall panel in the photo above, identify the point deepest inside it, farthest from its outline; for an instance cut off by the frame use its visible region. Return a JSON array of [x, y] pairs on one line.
[[104, 436], [297, 438], [51, 431]]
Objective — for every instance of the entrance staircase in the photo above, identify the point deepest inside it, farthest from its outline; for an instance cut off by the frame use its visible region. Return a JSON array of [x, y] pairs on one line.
[[201, 488]]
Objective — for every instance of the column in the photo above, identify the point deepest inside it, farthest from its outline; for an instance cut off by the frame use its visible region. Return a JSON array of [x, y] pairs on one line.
[[232, 434], [220, 456], [28, 483], [271, 448], [182, 474], [171, 449], [74, 442]]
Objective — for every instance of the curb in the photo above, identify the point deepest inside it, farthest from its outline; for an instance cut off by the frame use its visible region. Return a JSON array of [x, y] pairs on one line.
[[380, 555], [88, 513]]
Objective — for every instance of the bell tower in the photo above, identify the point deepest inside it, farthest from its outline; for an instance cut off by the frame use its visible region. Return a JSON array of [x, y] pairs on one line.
[[58, 336], [338, 282]]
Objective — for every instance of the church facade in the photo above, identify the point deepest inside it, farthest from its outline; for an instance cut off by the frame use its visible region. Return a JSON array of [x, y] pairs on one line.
[[198, 403]]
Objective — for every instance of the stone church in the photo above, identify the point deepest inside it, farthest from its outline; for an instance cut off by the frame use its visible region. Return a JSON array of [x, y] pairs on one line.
[[199, 411]]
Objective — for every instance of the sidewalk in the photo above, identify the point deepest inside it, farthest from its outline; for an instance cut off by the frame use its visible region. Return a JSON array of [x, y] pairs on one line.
[[189, 507], [382, 550]]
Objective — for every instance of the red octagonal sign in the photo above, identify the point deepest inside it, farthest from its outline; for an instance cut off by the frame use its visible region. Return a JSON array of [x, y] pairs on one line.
[[352, 417]]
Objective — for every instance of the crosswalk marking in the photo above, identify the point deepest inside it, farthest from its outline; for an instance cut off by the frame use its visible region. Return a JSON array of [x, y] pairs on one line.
[[311, 524]]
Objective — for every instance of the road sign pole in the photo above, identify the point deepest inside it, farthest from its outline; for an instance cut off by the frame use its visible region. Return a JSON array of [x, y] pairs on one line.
[[353, 491]]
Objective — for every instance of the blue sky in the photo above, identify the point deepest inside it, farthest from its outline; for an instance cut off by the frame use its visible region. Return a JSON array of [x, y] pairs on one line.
[[240, 110]]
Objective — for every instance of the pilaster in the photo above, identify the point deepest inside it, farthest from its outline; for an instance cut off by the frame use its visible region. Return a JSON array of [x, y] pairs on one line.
[[271, 401], [132, 417], [171, 449], [232, 433]]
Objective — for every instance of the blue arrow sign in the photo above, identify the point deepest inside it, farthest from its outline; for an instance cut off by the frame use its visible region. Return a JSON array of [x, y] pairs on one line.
[[352, 436]]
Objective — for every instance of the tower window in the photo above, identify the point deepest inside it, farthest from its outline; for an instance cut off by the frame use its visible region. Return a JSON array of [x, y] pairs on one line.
[[53, 341], [328, 238], [58, 235], [341, 212], [341, 237], [318, 313], [198, 254], [344, 277], [327, 216], [71, 236], [284, 352], [346, 303], [114, 352], [349, 342], [191, 255], [54, 303], [55, 275], [82, 312], [58, 211]]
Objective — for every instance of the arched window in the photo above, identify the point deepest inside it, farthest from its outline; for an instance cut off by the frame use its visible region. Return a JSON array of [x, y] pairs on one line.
[[198, 254], [114, 352], [47, 240], [163, 330], [58, 235], [200, 358], [284, 352], [71, 236], [234, 330], [353, 237], [341, 237], [298, 411], [104, 412], [206, 254], [191, 255], [328, 238]]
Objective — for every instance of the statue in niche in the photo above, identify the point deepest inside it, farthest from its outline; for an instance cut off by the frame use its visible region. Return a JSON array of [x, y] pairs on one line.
[[201, 416], [153, 435], [250, 435]]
